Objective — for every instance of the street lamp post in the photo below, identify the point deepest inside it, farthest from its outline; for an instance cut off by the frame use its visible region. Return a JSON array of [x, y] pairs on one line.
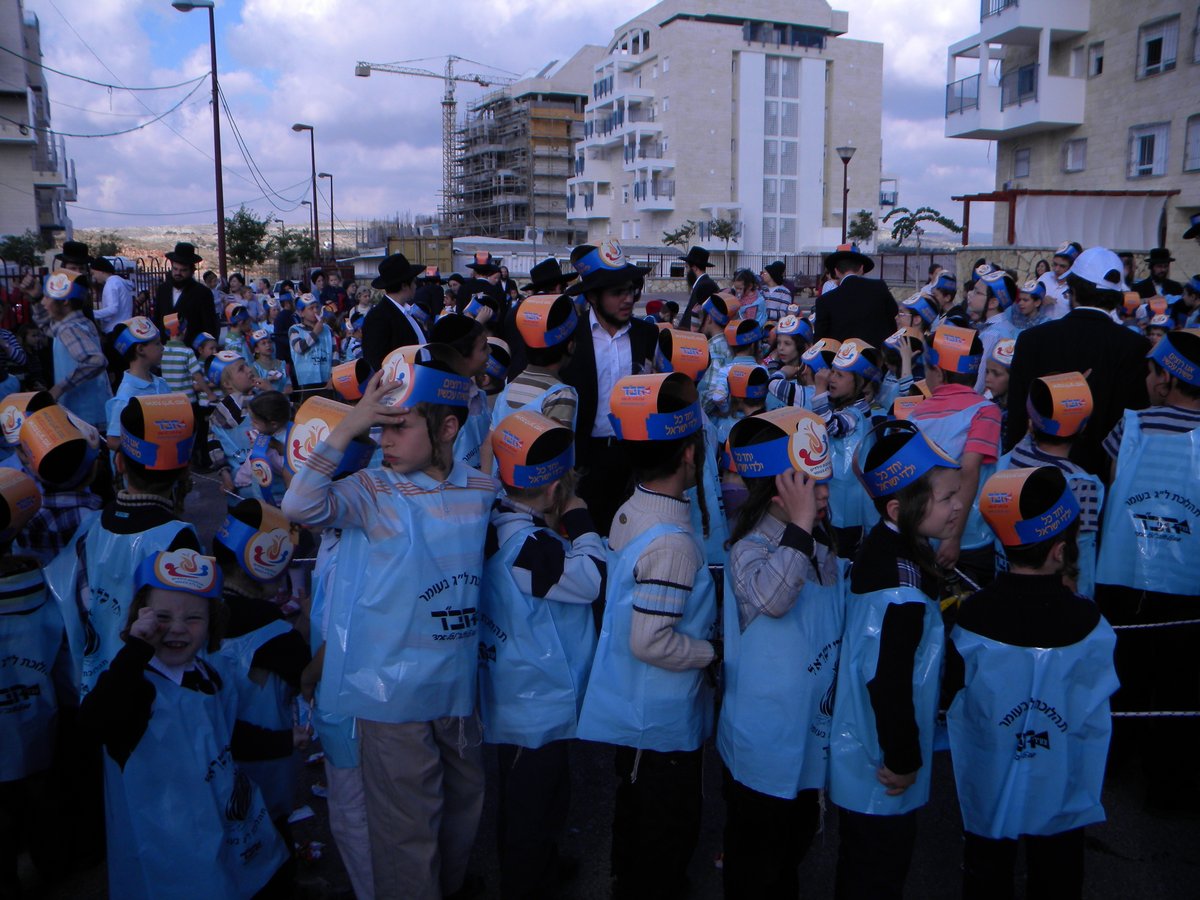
[[308, 203], [332, 241], [188, 6], [844, 153], [312, 148]]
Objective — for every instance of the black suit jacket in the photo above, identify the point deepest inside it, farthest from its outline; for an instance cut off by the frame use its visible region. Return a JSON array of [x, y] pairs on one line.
[[580, 373], [704, 288], [859, 307], [1081, 340], [384, 329], [1146, 288], [196, 308]]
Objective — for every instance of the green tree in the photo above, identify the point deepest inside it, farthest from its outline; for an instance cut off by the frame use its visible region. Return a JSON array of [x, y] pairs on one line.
[[908, 222], [291, 245], [22, 247], [724, 230], [682, 236], [245, 239], [106, 243], [862, 226]]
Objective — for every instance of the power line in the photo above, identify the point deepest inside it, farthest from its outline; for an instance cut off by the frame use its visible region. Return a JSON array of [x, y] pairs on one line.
[[255, 171], [186, 212], [139, 127], [122, 87]]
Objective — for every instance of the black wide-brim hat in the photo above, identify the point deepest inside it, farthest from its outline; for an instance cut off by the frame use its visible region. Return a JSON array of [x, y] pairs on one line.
[[1160, 255], [395, 271], [74, 252], [547, 274], [698, 256], [832, 260], [485, 264], [185, 254], [606, 278], [1194, 229]]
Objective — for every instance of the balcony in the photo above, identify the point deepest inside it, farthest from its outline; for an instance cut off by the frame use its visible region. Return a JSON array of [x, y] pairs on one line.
[[650, 158], [581, 207], [1013, 22], [887, 198], [1024, 102], [654, 196]]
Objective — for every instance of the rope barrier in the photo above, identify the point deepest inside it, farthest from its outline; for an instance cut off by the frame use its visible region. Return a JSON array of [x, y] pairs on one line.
[[1156, 625], [1156, 714]]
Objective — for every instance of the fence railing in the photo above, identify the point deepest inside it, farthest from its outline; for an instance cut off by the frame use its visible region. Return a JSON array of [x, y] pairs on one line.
[[805, 270], [994, 7], [962, 94], [1019, 86]]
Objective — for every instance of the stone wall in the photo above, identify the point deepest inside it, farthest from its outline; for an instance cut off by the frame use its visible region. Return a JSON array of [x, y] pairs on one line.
[[1024, 259]]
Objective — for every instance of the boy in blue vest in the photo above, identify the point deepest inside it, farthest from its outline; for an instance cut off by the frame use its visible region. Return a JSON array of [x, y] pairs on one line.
[[402, 653], [536, 643], [648, 693], [1029, 670], [467, 337], [140, 345], [310, 343], [1147, 572]]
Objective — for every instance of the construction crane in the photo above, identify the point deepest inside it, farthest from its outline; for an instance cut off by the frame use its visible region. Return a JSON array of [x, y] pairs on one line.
[[449, 106]]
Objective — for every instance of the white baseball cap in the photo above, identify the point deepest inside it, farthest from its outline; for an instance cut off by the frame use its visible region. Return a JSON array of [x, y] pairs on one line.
[[1101, 268]]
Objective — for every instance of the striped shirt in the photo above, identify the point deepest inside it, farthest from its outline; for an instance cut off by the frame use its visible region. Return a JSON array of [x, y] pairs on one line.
[[179, 368], [80, 339], [837, 422], [1160, 419], [534, 382], [768, 573], [983, 434], [1026, 455], [545, 567]]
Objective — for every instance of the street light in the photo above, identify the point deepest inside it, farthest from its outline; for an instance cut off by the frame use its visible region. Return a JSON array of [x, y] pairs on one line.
[[845, 153], [312, 148], [332, 242], [188, 6], [308, 203]]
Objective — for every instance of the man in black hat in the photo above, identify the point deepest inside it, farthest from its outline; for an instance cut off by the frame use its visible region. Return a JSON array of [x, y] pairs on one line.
[[1158, 284], [547, 277], [389, 324], [858, 307], [609, 344], [701, 285], [184, 295], [73, 257]]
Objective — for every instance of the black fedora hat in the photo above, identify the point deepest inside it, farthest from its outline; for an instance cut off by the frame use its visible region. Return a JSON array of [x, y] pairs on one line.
[[396, 270], [75, 253], [1193, 227], [185, 254], [547, 274], [431, 275], [1160, 255], [100, 264], [849, 253], [777, 270], [698, 256], [484, 264], [602, 267]]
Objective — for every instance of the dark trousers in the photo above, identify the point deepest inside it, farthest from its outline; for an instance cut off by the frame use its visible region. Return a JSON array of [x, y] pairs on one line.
[[606, 481], [1053, 866], [874, 853], [535, 794], [765, 839], [30, 816], [656, 823], [200, 415]]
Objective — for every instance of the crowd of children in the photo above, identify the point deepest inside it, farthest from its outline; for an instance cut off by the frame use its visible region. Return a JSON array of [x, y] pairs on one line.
[[890, 580]]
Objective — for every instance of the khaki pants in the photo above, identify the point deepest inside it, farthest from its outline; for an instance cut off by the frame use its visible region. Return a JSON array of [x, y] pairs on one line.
[[348, 823], [424, 792]]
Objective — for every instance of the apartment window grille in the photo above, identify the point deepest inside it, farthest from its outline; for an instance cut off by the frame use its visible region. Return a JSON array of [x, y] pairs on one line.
[[1148, 150], [1158, 46], [1075, 155], [1021, 162]]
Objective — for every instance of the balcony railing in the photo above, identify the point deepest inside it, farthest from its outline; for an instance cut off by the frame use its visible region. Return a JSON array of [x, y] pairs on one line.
[[994, 7], [632, 154], [602, 88], [657, 190], [706, 232], [962, 94], [579, 165], [1019, 86], [887, 198], [640, 115]]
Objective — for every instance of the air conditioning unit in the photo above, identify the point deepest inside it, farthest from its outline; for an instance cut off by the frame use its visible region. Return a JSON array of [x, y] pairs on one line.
[[534, 235]]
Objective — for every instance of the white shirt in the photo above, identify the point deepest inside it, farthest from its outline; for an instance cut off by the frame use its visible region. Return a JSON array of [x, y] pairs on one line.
[[614, 360], [420, 332], [1056, 292], [116, 303]]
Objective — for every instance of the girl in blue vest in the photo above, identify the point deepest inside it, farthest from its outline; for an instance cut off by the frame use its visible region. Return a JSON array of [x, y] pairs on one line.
[[311, 344], [649, 692], [881, 751], [241, 326], [139, 343], [402, 654], [467, 338], [264, 473], [1029, 670], [791, 379], [272, 373], [231, 433], [897, 355], [536, 642], [783, 631], [747, 396], [182, 819]]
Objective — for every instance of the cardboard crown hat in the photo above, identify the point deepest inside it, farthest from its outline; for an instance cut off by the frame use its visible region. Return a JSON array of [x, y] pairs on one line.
[[532, 450], [821, 354], [902, 407], [1001, 286], [1003, 352], [919, 304], [182, 571], [62, 286], [484, 263], [61, 448], [260, 334], [1034, 289], [916, 339], [602, 266], [1178, 353], [259, 537], [15, 408], [138, 330], [158, 431], [857, 356], [219, 362], [200, 340], [747, 382], [655, 407], [20, 500], [536, 314], [350, 378], [743, 332], [781, 440], [720, 308], [315, 420], [499, 359], [417, 374], [1059, 405], [682, 351], [902, 454], [1069, 250], [955, 349], [172, 325], [236, 313], [1028, 506], [796, 326]]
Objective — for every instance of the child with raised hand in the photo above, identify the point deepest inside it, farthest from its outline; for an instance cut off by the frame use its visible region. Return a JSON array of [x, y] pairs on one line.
[[898, 353], [241, 326], [791, 382], [271, 373], [139, 343], [402, 655], [1027, 772], [182, 819], [467, 337], [229, 427], [888, 678], [311, 345], [782, 633], [537, 641], [715, 313]]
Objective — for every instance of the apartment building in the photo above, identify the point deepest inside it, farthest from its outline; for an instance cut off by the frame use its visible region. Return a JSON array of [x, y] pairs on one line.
[[514, 153], [1099, 98], [36, 178], [708, 110]]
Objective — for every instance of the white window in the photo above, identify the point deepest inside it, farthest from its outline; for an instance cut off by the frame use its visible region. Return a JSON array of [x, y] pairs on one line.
[[1021, 161], [1078, 61], [1096, 59], [1191, 145], [1158, 45], [625, 230], [1075, 155], [624, 197], [637, 229], [666, 103], [666, 64], [665, 144], [1148, 150]]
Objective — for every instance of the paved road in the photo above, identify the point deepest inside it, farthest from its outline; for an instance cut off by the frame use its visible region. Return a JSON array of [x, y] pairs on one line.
[[1132, 855]]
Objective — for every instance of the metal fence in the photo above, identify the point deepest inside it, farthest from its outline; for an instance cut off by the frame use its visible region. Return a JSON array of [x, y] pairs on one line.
[[805, 270]]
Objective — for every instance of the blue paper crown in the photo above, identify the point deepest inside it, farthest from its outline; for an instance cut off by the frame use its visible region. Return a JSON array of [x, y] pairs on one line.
[[1167, 355], [917, 456]]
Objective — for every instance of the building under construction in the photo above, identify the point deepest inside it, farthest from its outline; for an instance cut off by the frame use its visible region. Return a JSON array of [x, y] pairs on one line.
[[514, 154]]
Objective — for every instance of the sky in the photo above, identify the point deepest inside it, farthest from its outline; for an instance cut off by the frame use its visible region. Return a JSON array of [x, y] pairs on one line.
[[287, 61]]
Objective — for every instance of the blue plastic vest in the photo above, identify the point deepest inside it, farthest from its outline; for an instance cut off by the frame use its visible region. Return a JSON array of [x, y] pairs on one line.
[[1029, 733], [126, 391], [182, 819], [275, 376], [950, 433], [474, 431], [534, 656], [855, 754], [236, 442], [338, 734], [1152, 520], [635, 704], [714, 501], [268, 705], [94, 597], [30, 637], [849, 504], [402, 643], [88, 399], [776, 720], [316, 366]]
